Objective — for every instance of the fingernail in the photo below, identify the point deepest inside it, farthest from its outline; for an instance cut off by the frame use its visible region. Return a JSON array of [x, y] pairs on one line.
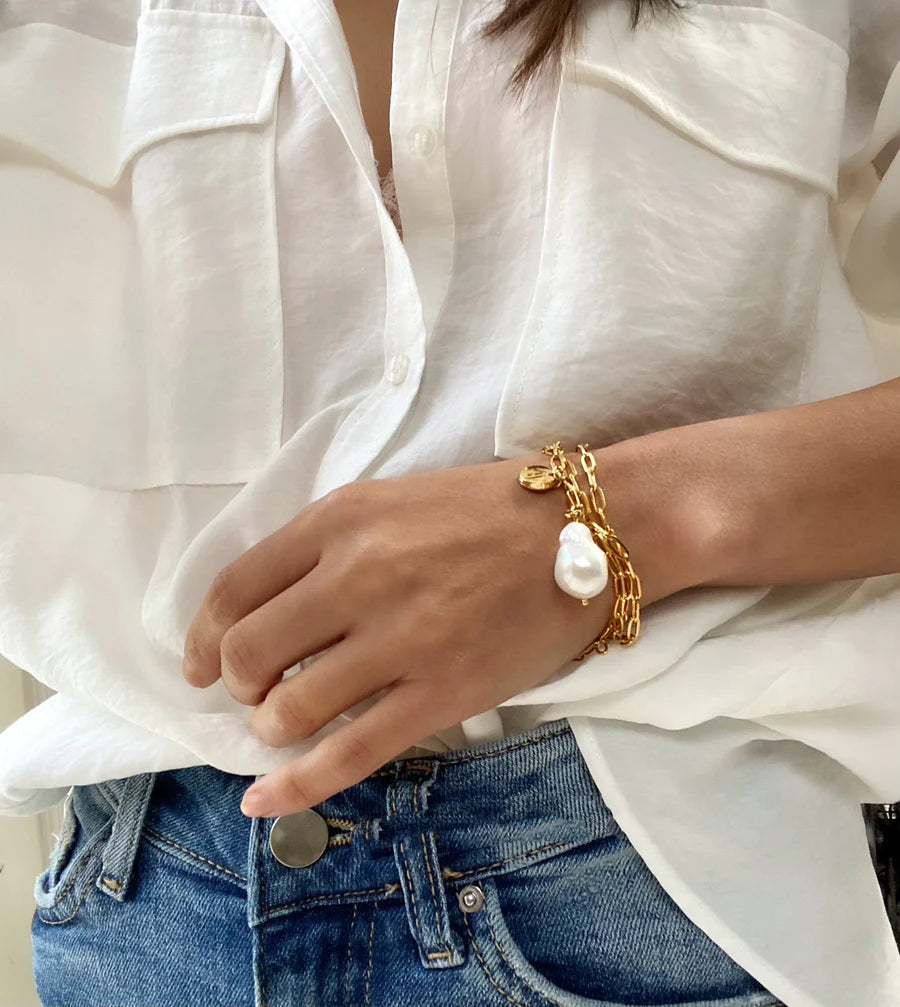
[[257, 803]]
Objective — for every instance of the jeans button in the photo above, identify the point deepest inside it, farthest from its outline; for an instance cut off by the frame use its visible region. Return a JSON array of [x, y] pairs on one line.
[[298, 840]]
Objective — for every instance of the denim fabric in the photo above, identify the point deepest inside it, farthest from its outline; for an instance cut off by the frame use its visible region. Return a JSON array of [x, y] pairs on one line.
[[161, 892]]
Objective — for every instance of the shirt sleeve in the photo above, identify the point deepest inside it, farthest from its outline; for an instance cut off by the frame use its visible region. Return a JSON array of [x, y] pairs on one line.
[[872, 261]]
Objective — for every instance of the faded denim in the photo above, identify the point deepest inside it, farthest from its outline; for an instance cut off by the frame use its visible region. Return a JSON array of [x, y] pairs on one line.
[[161, 892]]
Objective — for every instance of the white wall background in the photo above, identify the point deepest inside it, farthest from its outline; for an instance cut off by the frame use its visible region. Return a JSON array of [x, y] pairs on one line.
[[25, 845]]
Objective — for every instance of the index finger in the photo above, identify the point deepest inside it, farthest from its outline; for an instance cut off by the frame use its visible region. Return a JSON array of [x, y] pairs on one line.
[[347, 756]]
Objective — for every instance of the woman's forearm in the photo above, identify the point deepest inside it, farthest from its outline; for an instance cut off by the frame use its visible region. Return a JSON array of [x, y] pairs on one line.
[[802, 494]]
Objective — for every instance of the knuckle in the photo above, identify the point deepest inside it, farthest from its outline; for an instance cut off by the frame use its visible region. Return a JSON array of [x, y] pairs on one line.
[[361, 566], [343, 499], [238, 656], [196, 657], [285, 724], [298, 792], [355, 752], [314, 514], [378, 559], [351, 505], [371, 545], [223, 599]]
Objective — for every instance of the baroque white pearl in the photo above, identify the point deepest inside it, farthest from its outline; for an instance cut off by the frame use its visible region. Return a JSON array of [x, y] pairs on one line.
[[575, 531], [581, 567]]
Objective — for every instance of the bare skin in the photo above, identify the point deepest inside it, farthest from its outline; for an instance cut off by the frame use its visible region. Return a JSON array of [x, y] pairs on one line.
[[435, 591], [437, 587], [369, 31]]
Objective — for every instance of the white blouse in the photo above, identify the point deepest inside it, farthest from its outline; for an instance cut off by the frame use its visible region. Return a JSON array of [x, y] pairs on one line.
[[209, 320]]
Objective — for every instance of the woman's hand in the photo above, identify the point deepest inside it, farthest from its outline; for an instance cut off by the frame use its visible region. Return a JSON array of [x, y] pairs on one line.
[[435, 588]]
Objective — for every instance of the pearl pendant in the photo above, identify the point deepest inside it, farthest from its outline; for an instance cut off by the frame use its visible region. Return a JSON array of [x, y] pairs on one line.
[[581, 568]]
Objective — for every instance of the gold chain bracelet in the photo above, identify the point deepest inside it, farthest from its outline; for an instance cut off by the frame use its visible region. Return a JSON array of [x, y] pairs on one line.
[[589, 509]]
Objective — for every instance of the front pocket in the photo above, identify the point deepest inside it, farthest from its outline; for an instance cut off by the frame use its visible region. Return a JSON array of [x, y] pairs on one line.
[[139, 282], [691, 165], [593, 928], [76, 859]]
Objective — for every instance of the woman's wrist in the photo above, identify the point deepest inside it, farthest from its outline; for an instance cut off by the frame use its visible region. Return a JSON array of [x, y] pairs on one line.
[[664, 514], [802, 494], [653, 506]]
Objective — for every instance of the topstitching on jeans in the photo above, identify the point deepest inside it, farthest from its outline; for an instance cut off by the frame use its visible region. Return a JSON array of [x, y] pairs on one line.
[[485, 967], [89, 856], [192, 853], [438, 757], [111, 798], [446, 872]]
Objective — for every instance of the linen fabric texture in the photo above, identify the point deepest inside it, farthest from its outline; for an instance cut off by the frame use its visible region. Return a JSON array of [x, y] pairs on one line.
[[209, 320]]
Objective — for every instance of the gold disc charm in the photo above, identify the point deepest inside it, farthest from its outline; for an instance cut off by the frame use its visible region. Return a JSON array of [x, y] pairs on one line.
[[538, 477]]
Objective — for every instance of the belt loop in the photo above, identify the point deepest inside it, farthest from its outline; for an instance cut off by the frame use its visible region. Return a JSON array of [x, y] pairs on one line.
[[121, 847], [419, 870]]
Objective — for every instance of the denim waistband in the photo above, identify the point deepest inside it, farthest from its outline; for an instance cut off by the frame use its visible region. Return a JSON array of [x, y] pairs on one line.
[[412, 830]]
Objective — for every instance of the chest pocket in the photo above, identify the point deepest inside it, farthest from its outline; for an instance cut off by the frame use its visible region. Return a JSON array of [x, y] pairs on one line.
[[140, 312], [691, 165]]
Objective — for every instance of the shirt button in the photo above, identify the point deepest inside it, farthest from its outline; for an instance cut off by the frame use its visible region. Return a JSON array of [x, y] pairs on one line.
[[299, 840], [422, 141], [397, 369]]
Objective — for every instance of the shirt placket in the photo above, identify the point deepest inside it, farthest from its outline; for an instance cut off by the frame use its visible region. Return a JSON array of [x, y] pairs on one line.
[[424, 38], [417, 268]]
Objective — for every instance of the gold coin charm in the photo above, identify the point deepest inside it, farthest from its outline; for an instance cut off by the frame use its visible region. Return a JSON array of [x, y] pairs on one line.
[[538, 477]]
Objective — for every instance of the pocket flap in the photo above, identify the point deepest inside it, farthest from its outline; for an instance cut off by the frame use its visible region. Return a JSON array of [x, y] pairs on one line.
[[90, 105], [749, 83]]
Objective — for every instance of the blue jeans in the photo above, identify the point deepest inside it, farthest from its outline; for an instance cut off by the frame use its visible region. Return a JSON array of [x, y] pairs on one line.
[[485, 877]]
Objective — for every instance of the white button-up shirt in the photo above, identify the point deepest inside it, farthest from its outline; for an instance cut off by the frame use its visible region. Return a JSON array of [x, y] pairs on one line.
[[208, 320]]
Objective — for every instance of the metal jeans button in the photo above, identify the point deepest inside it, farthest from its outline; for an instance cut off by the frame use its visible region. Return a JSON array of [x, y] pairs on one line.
[[298, 840], [471, 898]]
